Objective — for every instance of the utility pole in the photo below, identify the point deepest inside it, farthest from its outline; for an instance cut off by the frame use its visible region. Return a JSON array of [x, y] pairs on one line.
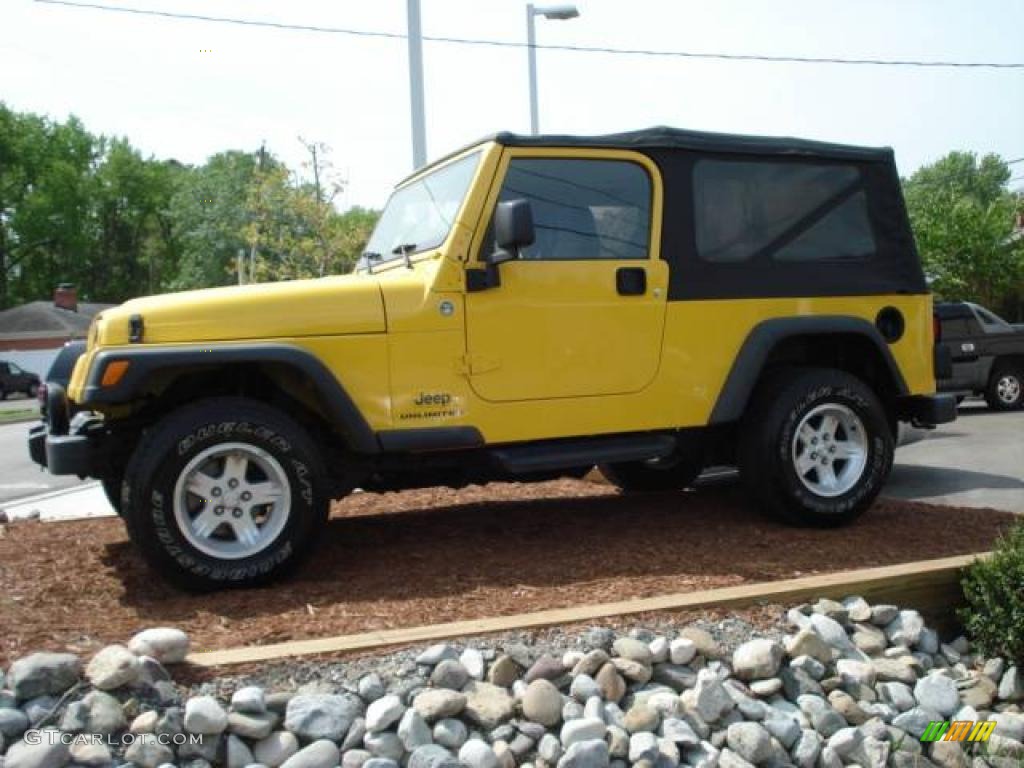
[[252, 246], [419, 134], [531, 55]]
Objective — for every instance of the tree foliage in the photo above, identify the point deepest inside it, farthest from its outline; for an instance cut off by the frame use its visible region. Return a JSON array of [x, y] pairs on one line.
[[963, 217], [92, 210]]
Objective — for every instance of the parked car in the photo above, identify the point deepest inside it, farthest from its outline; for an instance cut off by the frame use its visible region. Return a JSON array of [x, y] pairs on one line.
[[987, 354], [13, 379], [650, 302]]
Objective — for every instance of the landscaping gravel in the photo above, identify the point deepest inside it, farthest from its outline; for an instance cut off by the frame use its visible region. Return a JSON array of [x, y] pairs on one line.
[[801, 692]]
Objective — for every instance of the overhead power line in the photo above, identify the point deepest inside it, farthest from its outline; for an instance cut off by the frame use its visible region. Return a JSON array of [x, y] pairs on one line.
[[548, 47]]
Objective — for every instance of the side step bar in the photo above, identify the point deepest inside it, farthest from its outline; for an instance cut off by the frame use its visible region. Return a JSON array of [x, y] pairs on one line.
[[537, 457]]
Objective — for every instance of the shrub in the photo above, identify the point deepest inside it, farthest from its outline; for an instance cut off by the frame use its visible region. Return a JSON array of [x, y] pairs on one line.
[[994, 588]]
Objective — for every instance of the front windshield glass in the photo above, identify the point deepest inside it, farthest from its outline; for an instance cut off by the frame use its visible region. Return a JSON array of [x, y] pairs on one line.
[[419, 216]]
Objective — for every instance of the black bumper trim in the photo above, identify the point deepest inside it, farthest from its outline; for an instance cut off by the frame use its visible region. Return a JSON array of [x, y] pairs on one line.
[[927, 410]]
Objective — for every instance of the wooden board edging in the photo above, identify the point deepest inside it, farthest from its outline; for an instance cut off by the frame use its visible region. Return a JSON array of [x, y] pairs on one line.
[[937, 582]]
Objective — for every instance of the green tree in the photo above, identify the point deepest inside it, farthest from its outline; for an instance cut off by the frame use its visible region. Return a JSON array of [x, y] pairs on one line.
[[963, 219]]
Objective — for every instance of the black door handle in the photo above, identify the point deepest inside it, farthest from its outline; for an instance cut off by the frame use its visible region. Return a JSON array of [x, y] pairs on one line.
[[631, 281]]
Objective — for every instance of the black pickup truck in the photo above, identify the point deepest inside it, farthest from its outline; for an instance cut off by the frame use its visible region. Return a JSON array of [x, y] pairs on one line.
[[987, 354]]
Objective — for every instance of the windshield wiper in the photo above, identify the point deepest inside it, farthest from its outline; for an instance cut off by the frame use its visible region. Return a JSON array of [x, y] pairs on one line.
[[405, 249], [370, 256]]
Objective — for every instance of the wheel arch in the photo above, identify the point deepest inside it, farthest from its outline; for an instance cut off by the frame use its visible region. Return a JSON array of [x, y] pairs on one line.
[[295, 376], [847, 343]]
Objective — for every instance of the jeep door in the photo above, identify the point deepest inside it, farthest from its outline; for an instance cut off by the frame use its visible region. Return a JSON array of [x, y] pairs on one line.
[[582, 310]]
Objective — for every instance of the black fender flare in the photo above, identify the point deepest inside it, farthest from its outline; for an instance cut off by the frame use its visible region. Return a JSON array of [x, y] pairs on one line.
[[145, 361], [765, 336]]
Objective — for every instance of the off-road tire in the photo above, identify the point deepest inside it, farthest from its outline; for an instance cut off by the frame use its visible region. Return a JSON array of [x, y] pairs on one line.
[[1005, 376], [164, 453], [672, 473], [767, 437]]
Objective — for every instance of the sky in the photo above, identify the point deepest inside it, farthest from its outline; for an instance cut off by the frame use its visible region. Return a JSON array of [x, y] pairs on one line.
[[188, 89]]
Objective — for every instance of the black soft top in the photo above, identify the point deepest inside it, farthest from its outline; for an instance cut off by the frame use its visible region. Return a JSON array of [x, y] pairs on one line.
[[663, 137]]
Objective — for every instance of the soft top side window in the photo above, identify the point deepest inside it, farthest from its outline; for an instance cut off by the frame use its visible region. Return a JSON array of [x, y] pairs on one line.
[[781, 211], [582, 208]]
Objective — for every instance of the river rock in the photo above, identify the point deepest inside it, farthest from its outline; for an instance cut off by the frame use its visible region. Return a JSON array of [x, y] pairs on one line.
[[478, 754], [322, 716], [113, 667], [586, 754], [488, 705], [43, 755], [542, 703], [757, 659], [42, 674], [750, 741], [165, 644], [274, 750], [435, 704], [385, 712], [937, 693], [204, 715]]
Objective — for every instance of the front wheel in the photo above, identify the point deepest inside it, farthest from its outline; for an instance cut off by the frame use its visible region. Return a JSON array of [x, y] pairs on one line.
[[1005, 390], [226, 492], [815, 447]]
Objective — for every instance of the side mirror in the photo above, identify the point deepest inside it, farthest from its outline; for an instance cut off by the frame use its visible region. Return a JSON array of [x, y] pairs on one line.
[[513, 229]]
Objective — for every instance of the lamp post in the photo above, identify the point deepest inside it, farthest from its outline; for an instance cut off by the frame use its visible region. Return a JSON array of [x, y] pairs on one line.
[[419, 133], [556, 12]]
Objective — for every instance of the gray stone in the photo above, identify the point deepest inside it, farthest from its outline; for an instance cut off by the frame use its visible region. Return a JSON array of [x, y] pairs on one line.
[[807, 748], [249, 700], [643, 746], [584, 687], [371, 687], [450, 732], [549, 748], [894, 670], [1011, 686], [237, 753], [704, 755], [810, 665], [905, 629], [437, 653], [504, 671], [682, 650], [93, 754], [679, 731], [928, 642], [384, 744], [711, 700], [757, 659], [856, 672], [357, 758], [439, 703], [824, 719], [413, 730], [979, 692], [97, 712], [659, 649], [729, 759], [572, 710], [632, 670], [599, 637], [149, 753], [478, 754], [586, 754], [845, 741], [750, 741], [13, 723], [208, 748], [113, 667], [1009, 725], [869, 639], [994, 669], [882, 615], [612, 686], [547, 667], [385, 712], [204, 715], [948, 754], [765, 689], [915, 721], [676, 676], [320, 754], [43, 755], [380, 762], [796, 683], [450, 673], [897, 694], [641, 717], [937, 693], [785, 729], [254, 726], [542, 702], [487, 705], [355, 735], [618, 742], [707, 646], [322, 716], [633, 649], [582, 729], [473, 661], [165, 644], [432, 756], [42, 674], [857, 608], [832, 609], [831, 631]]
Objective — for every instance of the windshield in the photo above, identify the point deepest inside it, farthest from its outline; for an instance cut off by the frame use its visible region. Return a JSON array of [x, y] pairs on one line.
[[419, 216]]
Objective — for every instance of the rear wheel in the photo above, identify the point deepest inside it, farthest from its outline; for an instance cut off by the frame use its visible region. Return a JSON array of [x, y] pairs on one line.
[[671, 473], [227, 492], [1005, 390], [815, 447]]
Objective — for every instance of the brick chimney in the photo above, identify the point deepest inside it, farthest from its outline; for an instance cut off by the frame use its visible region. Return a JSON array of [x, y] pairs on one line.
[[66, 297]]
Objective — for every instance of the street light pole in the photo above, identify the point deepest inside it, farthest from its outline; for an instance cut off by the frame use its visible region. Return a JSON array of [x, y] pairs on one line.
[[556, 12], [419, 134]]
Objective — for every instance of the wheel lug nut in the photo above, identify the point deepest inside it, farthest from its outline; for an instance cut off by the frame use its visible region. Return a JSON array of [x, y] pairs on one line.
[[218, 511], [236, 512], [216, 491], [814, 455], [232, 483], [246, 495]]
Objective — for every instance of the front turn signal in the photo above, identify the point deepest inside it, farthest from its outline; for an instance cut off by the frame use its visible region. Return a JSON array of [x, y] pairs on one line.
[[114, 372]]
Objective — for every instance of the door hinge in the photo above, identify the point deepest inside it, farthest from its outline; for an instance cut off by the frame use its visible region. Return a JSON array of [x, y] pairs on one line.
[[471, 365]]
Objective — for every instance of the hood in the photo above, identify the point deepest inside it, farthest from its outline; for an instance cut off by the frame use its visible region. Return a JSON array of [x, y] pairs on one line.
[[348, 304]]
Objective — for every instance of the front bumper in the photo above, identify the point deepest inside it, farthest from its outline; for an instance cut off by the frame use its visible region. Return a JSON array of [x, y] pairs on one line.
[[926, 410], [63, 446]]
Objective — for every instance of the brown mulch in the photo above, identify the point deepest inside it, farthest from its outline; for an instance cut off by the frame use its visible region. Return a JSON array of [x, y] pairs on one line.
[[435, 555]]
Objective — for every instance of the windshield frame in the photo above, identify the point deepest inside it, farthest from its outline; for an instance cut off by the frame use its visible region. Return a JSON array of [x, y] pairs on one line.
[[388, 259]]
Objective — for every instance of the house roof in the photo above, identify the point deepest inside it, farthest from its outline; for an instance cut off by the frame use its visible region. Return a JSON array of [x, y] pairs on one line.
[[40, 318]]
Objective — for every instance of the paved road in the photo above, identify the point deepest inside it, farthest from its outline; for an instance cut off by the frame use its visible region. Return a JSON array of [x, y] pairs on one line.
[[978, 461], [18, 475]]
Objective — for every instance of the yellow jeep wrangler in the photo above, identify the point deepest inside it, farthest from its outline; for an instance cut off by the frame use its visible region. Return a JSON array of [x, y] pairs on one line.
[[651, 303]]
